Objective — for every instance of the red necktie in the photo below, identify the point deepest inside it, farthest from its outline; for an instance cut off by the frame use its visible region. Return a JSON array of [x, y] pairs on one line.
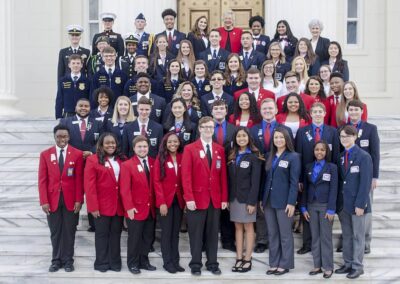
[[317, 134], [346, 160], [143, 131], [336, 100], [170, 40], [220, 135], [83, 129], [267, 136]]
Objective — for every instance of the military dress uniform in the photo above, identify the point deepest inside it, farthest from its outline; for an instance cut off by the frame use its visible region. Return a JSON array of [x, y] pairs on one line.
[[127, 62], [115, 39]]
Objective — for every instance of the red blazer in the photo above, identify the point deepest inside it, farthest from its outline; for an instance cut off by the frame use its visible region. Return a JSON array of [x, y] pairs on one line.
[[263, 94], [101, 188], [281, 118], [51, 182], [250, 122], [307, 100], [166, 188], [200, 183], [235, 37], [332, 117], [135, 190]]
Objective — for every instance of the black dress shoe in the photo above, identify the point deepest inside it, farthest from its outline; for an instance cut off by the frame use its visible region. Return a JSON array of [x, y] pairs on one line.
[[195, 271], [134, 270], [116, 269], [170, 268], [91, 229], [339, 249], [69, 267], [343, 270], [303, 250], [215, 270], [355, 274], [260, 248], [281, 272], [54, 267], [147, 266], [102, 270], [328, 275], [271, 271], [152, 248], [315, 272], [179, 268], [229, 246], [367, 250]]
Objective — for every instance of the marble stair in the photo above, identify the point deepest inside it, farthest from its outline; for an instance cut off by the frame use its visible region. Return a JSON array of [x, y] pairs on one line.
[[25, 248]]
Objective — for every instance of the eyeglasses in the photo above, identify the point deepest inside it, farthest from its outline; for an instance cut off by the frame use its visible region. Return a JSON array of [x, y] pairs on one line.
[[217, 79], [207, 127]]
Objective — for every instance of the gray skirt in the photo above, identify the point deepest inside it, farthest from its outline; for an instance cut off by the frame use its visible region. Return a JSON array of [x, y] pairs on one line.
[[238, 213]]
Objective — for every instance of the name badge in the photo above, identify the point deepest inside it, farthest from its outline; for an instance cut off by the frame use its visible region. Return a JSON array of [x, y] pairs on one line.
[[202, 154], [326, 177], [210, 101], [309, 137], [218, 164], [283, 164], [259, 132], [100, 118], [360, 133], [364, 143], [222, 65], [70, 172], [136, 133], [209, 57], [140, 168], [170, 165], [107, 164], [96, 136], [244, 164], [75, 122], [153, 141], [241, 57], [52, 157], [330, 146], [134, 103], [159, 62], [354, 169]]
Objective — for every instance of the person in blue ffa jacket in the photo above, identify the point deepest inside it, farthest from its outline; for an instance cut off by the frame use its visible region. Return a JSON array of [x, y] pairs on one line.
[[137, 194], [368, 140], [169, 199], [198, 36], [173, 36], [178, 121], [318, 205], [122, 115], [276, 54], [144, 126], [96, 61], [260, 42], [286, 39], [145, 40], [235, 74], [319, 44], [169, 85], [102, 172], [279, 199], [160, 58], [248, 55], [355, 178], [217, 82], [215, 56], [305, 140], [60, 183], [103, 96], [244, 175], [126, 62], [115, 39], [110, 75], [200, 80], [74, 32], [71, 88], [143, 90]]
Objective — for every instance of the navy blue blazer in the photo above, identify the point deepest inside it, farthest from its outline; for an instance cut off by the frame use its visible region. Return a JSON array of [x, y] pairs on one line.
[[157, 109], [128, 67], [205, 88], [208, 99], [262, 44], [341, 67], [166, 90], [194, 114], [117, 83], [198, 44], [63, 57], [369, 141], [130, 87], [305, 142], [289, 48], [68, 93], [232, 87], [157, 69], [255, 60], [114, 128], [144, 44], [154, 134], [322, 48], [186, 136], [325, 187], [228, 138], [281, 184], [115, 40], [107, 116], [176, 40], [281, 69], [313, 69], [94, 129], [355, 182], [215, 64]]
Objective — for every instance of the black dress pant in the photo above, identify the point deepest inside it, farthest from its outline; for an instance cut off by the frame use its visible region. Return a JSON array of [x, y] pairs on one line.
[[170, 227], [92, 224], [140, 236], [203, 221], [227, 228], [62, 224], [108, 242]]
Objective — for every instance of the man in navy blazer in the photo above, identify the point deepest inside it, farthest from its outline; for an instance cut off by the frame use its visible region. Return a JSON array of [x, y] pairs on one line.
[[368, 140], [305, 140], [250, 57], [174, 37], [260, 41], [215, 56], [355, 179]]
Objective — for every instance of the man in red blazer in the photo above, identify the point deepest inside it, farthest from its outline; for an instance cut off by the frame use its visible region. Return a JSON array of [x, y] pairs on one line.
[[205, 191], [253, 79], [230, 36], [61, 196], [292, 81]]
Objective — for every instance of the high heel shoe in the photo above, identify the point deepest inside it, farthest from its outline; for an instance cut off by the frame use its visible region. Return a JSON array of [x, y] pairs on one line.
[[245, 267], [237, 265]]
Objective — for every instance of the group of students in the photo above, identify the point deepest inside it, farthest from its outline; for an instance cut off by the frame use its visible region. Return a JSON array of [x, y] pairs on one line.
[[236, 151]]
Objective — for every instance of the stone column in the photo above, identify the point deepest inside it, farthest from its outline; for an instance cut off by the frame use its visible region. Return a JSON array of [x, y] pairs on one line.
[[7, 66]]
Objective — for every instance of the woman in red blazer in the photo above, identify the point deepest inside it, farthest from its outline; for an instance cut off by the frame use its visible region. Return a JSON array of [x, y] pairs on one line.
[[103, 201], [246, 112], [315, 89], [228, 31], [138, 200], [294, 113], [169, 199]]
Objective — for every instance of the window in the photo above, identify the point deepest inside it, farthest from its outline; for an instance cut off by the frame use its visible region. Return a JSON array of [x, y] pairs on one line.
[[353, 25], [93, 18]]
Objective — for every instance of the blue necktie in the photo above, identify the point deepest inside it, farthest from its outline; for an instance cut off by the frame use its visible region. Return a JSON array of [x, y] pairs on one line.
[[246, 58], [215, 54]]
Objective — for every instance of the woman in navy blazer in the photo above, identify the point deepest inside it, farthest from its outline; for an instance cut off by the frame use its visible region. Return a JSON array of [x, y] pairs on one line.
[[318, 206], [169, 85], [123, 114], [279, 199], [336, 61], [235, 75], [160, 58], [199, 36], [320, 44], [200, 78]]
